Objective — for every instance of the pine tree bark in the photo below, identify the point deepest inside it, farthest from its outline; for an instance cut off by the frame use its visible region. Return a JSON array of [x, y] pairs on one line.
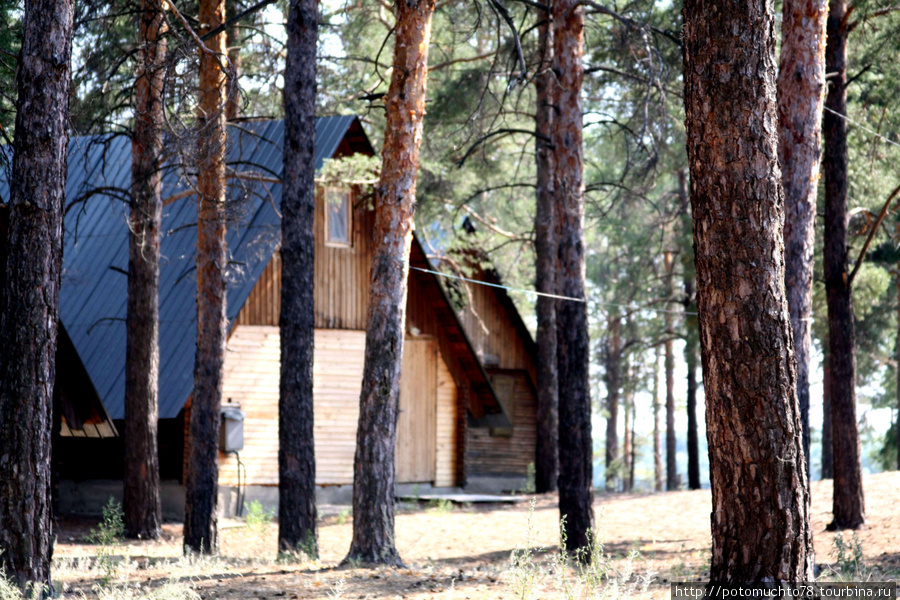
[[612, 358], [692, 360], [296, 451], [201, 483], [546, 450], [234, 40], [30, 296], [142, 505], [628, 441], [848, 506], [827, 438], [760, 515], [657, 429], [395, 204], [801, 87], [573, 344], [633, 459], [691, 342], [671, 440]]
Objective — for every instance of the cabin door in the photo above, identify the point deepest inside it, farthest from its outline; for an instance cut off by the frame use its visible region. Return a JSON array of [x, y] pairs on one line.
[[417, 425]]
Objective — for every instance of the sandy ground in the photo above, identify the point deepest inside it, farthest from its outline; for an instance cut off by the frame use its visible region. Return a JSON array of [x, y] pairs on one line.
[[464, 552]]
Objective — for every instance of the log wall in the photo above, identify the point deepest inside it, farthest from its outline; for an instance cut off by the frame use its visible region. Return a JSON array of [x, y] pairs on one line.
[[490, 452]]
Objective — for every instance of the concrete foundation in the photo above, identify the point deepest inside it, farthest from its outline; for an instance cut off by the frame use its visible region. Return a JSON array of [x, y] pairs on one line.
[[87, 498], [496, 485]]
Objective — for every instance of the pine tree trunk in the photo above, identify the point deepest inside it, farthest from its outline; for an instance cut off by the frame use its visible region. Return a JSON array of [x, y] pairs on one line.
[[671, 442], [848, 507], [612, 357], [142, 505], [30, 295], [692, 358], [395, 204], [801, 87], [573, 344], [657, 429], [632, 461], [234, 38], [201, 483], [827, 438], [760, 515], [546, 451], [627, 441], [296, 451], [691, 342]]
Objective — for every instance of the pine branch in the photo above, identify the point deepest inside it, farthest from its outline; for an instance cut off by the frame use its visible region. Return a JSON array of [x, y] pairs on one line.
[[872, 232], [256, 7]]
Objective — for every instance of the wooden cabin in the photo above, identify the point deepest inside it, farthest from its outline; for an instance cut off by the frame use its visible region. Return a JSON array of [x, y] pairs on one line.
[[500, 457], [467, 395], [441, 373]]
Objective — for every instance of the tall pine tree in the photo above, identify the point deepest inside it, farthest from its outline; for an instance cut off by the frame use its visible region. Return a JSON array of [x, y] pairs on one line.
[[395, 204], [30, 293], [760, 514]]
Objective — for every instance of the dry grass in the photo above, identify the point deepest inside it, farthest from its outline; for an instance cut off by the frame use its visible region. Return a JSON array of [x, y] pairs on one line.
[[466, 552]]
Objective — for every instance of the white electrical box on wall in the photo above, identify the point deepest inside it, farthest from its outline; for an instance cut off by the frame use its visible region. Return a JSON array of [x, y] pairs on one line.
[[231, 430]]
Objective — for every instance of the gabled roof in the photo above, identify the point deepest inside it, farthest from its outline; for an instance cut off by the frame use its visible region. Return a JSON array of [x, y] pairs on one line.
[[93, 294], [95, 256], [485, 409], [487, 272]]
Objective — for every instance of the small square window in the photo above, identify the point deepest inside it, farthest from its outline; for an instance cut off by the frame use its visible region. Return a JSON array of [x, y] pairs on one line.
[[337, 217]]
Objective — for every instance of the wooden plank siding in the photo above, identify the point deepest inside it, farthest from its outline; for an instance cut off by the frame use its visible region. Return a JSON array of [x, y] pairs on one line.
[[417, 424], [342, 276], [489, 455], [448, 461], [506, 349], [252, 366], [494, 337]]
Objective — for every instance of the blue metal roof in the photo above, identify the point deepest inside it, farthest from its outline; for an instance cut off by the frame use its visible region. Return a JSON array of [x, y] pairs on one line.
[[93, 294]]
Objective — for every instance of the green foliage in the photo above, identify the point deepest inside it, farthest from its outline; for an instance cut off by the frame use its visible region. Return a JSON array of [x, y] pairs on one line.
[[441, 505], [343, 515], [10, 42], [303, 552], [108, 535], [111, 528], [356, 169], [848, 556], [886, 455], [530, 477], [258, 518]]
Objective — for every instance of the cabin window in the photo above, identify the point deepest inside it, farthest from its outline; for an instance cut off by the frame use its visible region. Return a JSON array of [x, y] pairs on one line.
[[337, 217]]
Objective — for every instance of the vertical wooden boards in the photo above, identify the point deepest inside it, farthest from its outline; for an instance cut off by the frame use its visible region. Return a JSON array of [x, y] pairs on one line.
[[416, 426], [447, 421]]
